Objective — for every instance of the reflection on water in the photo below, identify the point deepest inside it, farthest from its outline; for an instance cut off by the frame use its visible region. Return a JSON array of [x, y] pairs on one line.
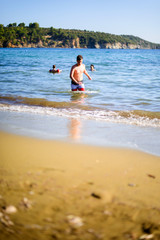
[[75, 129], [78, 97], [75, 124]]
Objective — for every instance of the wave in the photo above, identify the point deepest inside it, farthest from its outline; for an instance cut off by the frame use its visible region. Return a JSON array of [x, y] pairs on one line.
[[77, 110], [41, 102]]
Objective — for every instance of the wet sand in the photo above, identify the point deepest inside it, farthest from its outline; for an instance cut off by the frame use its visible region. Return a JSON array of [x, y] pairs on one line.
[[60, 190]]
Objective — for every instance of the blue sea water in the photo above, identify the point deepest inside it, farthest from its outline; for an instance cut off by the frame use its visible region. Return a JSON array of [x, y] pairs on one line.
[[125, 87]]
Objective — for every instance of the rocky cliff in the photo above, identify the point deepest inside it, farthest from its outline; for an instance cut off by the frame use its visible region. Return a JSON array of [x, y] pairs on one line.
[[75, 43]]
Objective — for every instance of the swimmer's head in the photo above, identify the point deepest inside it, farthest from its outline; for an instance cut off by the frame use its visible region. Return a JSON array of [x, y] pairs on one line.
[[92, 67], [54, 66]]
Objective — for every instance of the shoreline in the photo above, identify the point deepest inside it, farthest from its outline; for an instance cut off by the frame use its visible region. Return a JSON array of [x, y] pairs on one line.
[[64, 190], [83, 131]]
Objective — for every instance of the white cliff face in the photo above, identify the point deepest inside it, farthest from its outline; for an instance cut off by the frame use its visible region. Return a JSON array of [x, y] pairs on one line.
[[75, 43], [119, 45]]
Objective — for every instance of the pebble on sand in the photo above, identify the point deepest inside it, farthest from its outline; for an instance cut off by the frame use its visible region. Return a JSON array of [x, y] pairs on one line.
[[11, 209], [74, 221]]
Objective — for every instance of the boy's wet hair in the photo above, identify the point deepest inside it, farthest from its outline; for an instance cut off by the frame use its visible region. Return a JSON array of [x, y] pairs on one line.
[[79, 57]]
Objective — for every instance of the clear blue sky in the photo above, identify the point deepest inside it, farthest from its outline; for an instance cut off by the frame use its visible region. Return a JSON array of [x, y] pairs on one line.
[[134, 17]]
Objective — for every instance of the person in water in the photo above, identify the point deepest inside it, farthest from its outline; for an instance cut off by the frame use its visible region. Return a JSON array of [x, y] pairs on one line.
[[76, 75], [54, 70], [92, 68]]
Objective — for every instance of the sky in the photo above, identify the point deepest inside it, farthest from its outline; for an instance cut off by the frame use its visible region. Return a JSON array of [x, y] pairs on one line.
[[140, 18]]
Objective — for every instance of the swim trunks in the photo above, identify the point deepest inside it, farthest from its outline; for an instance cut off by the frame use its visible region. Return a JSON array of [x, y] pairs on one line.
[[77, 86]]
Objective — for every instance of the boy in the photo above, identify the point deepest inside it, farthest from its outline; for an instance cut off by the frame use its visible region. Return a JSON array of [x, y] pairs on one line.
[[54, 70], [76, 75], [92, 68]]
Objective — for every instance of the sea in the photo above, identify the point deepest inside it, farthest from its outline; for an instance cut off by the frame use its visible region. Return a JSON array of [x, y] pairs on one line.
[[120, 106]]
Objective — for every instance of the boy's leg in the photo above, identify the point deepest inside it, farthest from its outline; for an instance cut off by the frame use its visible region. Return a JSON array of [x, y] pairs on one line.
[[81, 87], [74, 87]]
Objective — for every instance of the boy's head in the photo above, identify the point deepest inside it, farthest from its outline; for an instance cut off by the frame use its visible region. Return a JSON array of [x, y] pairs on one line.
[[54, 66], [79, 60], [79, 57]]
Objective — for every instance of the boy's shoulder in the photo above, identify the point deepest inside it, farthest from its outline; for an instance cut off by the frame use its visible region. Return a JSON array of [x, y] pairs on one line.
[[75, 65], [83, 65]]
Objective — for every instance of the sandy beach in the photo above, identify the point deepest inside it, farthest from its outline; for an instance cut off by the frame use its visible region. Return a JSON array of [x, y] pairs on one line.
[[59, 190]]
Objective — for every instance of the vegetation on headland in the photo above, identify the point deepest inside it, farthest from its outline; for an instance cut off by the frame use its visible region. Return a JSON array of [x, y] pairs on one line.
[[19, 36]]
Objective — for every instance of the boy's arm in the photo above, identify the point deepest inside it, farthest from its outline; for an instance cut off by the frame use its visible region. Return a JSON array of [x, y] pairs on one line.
[[86, 73]]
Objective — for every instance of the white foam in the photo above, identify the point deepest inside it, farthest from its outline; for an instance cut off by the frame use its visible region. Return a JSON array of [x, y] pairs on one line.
[[84, 92], [98, 115]]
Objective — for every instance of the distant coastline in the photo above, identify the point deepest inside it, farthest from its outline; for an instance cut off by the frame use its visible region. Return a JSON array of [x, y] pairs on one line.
[[33, 36]]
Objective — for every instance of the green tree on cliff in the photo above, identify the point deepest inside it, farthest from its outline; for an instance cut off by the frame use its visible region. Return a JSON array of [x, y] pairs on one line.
[[34, 25], [21, 25]]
